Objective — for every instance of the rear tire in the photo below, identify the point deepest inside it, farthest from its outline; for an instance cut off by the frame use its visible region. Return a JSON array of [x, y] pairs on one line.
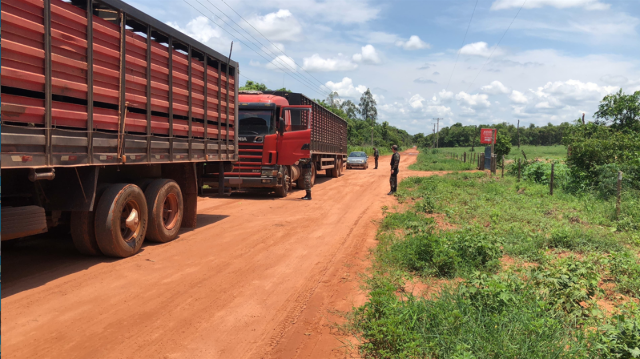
[[121, 220], [335, 172], [283, 191], [166, 209], [83, 227], [83, 232], [329, 172]]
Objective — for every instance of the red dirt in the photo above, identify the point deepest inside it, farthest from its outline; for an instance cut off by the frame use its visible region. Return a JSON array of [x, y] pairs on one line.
[[258, 278]]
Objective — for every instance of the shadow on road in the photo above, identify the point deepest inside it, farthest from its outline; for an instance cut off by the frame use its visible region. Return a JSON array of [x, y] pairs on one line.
[[35, 261]]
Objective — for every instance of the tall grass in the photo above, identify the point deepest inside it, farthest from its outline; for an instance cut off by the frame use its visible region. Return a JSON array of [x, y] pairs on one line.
[[568, 248]]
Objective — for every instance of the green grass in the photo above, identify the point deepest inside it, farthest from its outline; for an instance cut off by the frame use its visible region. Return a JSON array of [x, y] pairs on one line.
[[557, 152], [547, 309], [439, 160]]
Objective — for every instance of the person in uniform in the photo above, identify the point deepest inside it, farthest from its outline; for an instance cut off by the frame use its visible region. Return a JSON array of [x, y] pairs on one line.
[[305, 165], [376, 154], [395, 162]]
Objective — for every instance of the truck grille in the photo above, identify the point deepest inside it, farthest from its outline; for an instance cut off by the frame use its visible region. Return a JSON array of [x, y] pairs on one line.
[[249, 161]]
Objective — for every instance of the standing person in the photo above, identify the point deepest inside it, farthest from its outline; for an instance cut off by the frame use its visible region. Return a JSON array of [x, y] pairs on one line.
[[376, 154], [395, 162], [305, 165]]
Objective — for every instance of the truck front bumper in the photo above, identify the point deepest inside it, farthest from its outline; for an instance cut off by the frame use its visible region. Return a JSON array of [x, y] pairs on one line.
[[245, 182]]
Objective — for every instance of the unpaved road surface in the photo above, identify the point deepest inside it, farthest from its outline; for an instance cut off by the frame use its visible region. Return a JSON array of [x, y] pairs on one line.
[[259, 278]]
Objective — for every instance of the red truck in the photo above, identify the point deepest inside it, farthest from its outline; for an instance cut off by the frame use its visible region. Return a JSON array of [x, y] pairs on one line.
[[275, 131], [109, 120]]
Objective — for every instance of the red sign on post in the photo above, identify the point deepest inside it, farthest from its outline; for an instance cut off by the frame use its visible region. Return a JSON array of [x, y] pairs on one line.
[[487, 135]]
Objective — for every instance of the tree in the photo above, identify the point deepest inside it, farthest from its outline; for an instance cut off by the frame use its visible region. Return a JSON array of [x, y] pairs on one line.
[[284, 89], [349, 108], [502, 146], [621, 110], [368, 107], [254, 86]]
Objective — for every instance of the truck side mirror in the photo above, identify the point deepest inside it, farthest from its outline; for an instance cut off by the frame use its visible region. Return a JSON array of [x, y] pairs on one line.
[[281, 125]]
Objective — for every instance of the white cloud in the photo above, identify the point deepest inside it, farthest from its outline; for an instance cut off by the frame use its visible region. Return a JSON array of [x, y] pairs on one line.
[[473, 101], [367, 55], [479, 49], [317, 63], [560, 4], [446, 95], [345, 88], [424, 80], [518, 97], [201, 30], [416, 101], [282, 63], [278, 26], [414, 43], [495, 88]]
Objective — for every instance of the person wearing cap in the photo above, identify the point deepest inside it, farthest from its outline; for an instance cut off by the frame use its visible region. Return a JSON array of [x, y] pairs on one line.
[[376, 154], [395, 162]]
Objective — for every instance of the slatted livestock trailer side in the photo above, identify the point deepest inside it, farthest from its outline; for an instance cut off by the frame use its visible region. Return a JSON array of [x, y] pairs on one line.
[[109, 117]]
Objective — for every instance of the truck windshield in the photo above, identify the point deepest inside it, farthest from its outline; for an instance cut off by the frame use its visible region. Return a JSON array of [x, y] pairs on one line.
[[256, 122]]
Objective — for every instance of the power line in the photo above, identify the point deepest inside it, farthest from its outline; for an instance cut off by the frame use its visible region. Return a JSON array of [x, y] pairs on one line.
[[264, 49], [274, 45], [460, 49], [494, 49], [244, 42]]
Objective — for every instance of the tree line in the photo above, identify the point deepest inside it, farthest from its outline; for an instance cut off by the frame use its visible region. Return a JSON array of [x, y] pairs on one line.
[[458, 135]]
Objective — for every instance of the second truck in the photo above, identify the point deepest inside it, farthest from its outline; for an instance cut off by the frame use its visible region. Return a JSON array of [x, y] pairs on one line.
[[276, 130]]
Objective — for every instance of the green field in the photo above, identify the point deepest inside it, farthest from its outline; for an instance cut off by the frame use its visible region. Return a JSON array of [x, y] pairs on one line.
[[441, 160], [541, 152], [512, 272]]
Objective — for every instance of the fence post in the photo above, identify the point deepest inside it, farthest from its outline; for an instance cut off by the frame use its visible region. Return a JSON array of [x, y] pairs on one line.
[[618, 194], [518, 170], [502, 166], [551, 181]]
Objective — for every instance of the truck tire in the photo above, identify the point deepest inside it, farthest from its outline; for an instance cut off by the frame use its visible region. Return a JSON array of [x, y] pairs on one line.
[[166, 209], [335, 172], [83, 232], [121, 220], [283, 191], [83, 227], [330, 172]]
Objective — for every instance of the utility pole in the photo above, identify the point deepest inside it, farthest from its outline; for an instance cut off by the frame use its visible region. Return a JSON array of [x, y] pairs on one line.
[[437, 130], [518, 133], [434, 136]]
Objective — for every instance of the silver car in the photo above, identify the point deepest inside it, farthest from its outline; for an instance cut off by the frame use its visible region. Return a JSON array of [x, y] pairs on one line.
[[358, 159]]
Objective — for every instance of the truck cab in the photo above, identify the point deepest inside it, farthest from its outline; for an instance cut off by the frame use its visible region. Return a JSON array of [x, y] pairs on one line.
[[276, 130]]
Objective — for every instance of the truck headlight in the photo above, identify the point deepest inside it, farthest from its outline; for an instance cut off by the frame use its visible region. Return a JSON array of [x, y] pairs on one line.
[[269, 173]]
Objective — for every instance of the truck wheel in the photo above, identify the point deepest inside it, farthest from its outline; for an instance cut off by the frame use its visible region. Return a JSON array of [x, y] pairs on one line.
[[83, 232], [283, 191], [83, 228], [165, 205], [121, 220], [335, 173], [330, 172]]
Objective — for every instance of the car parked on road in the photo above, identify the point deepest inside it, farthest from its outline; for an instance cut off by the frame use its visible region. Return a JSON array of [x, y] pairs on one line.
[[358, 159]]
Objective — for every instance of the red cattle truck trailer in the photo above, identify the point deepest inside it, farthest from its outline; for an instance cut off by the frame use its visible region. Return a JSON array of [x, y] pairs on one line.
[[275, 131], [108, 119]]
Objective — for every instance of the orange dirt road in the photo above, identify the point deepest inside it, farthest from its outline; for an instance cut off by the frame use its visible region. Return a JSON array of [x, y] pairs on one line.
[[259, 278]]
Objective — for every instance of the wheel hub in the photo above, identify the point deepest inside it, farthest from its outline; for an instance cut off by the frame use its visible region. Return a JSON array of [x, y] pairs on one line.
[[170, 211]]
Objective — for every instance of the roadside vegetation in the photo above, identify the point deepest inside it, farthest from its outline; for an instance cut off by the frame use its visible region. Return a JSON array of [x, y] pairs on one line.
[[471, 265], [441, 160]]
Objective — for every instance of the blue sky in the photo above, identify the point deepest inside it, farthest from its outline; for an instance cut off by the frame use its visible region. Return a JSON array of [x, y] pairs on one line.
[[556, 61]]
